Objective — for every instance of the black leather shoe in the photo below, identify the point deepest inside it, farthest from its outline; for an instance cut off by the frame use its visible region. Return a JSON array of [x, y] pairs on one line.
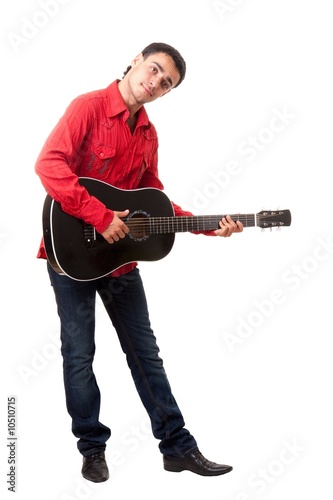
[[197, 463], [94, 468]]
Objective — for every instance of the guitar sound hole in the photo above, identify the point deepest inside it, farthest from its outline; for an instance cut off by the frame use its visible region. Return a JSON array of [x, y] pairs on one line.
[[137, 223]]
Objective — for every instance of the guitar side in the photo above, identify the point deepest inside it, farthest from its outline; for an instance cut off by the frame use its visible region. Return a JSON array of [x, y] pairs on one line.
[[71, 252], [47, 234]]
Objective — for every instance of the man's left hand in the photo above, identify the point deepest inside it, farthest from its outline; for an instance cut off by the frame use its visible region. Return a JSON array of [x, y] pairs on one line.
[[228, 227]]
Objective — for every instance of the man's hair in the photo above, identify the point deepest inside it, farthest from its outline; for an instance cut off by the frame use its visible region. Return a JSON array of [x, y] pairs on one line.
[[156, 47]]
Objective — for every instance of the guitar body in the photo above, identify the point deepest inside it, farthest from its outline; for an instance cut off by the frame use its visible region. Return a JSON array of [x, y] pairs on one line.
[[73, 248]]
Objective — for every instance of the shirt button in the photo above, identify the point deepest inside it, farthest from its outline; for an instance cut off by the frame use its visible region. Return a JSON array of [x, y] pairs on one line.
[[101, 155]]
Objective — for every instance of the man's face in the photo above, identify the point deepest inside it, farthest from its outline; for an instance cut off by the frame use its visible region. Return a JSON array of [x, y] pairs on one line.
[[152, 77]]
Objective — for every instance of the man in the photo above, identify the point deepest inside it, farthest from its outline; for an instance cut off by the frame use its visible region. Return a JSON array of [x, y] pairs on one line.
[[106, 135]]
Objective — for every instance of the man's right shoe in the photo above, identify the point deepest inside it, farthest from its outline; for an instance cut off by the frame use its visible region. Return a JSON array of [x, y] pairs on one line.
[[197, 463], [94, 468]]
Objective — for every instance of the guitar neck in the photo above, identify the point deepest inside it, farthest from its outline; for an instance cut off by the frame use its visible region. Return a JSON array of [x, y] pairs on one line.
[[163, 225]]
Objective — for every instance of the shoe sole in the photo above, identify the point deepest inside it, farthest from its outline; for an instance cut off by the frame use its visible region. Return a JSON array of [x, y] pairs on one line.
[[102, 480], [175, 468]]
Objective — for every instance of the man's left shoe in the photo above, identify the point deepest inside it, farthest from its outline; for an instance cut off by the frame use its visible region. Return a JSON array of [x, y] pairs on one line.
[[94, 468], [197, 463]]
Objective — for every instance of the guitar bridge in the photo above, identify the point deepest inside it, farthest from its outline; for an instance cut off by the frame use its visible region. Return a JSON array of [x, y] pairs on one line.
[[89, 235]]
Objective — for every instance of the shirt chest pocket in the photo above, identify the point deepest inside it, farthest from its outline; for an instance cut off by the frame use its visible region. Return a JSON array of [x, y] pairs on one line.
[[101, 159]]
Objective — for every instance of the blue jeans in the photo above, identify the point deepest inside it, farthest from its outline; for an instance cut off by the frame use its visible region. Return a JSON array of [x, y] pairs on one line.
[[125, 302]]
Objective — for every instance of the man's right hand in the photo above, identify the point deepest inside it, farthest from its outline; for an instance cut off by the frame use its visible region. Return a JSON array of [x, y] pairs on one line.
[[117, 229]]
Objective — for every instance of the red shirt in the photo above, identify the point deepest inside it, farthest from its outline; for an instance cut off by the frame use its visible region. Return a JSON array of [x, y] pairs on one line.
[[92, 139]]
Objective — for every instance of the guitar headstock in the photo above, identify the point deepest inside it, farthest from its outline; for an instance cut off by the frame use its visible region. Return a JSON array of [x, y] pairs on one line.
[[273, 218]]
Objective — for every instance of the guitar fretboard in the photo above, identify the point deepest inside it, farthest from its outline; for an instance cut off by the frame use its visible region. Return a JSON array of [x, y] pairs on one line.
[[164, 225]]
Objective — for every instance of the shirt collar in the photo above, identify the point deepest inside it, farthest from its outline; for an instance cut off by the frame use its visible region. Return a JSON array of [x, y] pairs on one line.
[[117, 105]]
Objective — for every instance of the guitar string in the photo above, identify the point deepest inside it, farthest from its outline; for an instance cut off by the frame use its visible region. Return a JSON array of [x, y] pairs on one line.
[[156, 225], [180, 221], [184, 217], [196, 218], [206, 216]]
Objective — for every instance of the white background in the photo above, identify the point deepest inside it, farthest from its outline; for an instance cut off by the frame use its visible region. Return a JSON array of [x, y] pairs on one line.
[[257, 396]]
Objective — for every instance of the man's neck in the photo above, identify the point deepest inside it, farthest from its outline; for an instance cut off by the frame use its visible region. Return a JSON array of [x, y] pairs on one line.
[[132, 106]]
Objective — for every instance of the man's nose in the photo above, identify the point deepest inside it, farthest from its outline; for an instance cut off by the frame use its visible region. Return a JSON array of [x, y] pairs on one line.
[[155, 81], [152, 82]]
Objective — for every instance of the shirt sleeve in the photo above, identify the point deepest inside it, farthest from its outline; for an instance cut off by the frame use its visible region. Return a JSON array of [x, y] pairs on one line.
[[56, 167]]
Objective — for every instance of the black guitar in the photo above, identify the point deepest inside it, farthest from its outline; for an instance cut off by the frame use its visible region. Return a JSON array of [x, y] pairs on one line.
[[75, 249]]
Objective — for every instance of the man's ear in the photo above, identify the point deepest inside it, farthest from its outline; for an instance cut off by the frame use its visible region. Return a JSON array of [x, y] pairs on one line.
[[137, 59]]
